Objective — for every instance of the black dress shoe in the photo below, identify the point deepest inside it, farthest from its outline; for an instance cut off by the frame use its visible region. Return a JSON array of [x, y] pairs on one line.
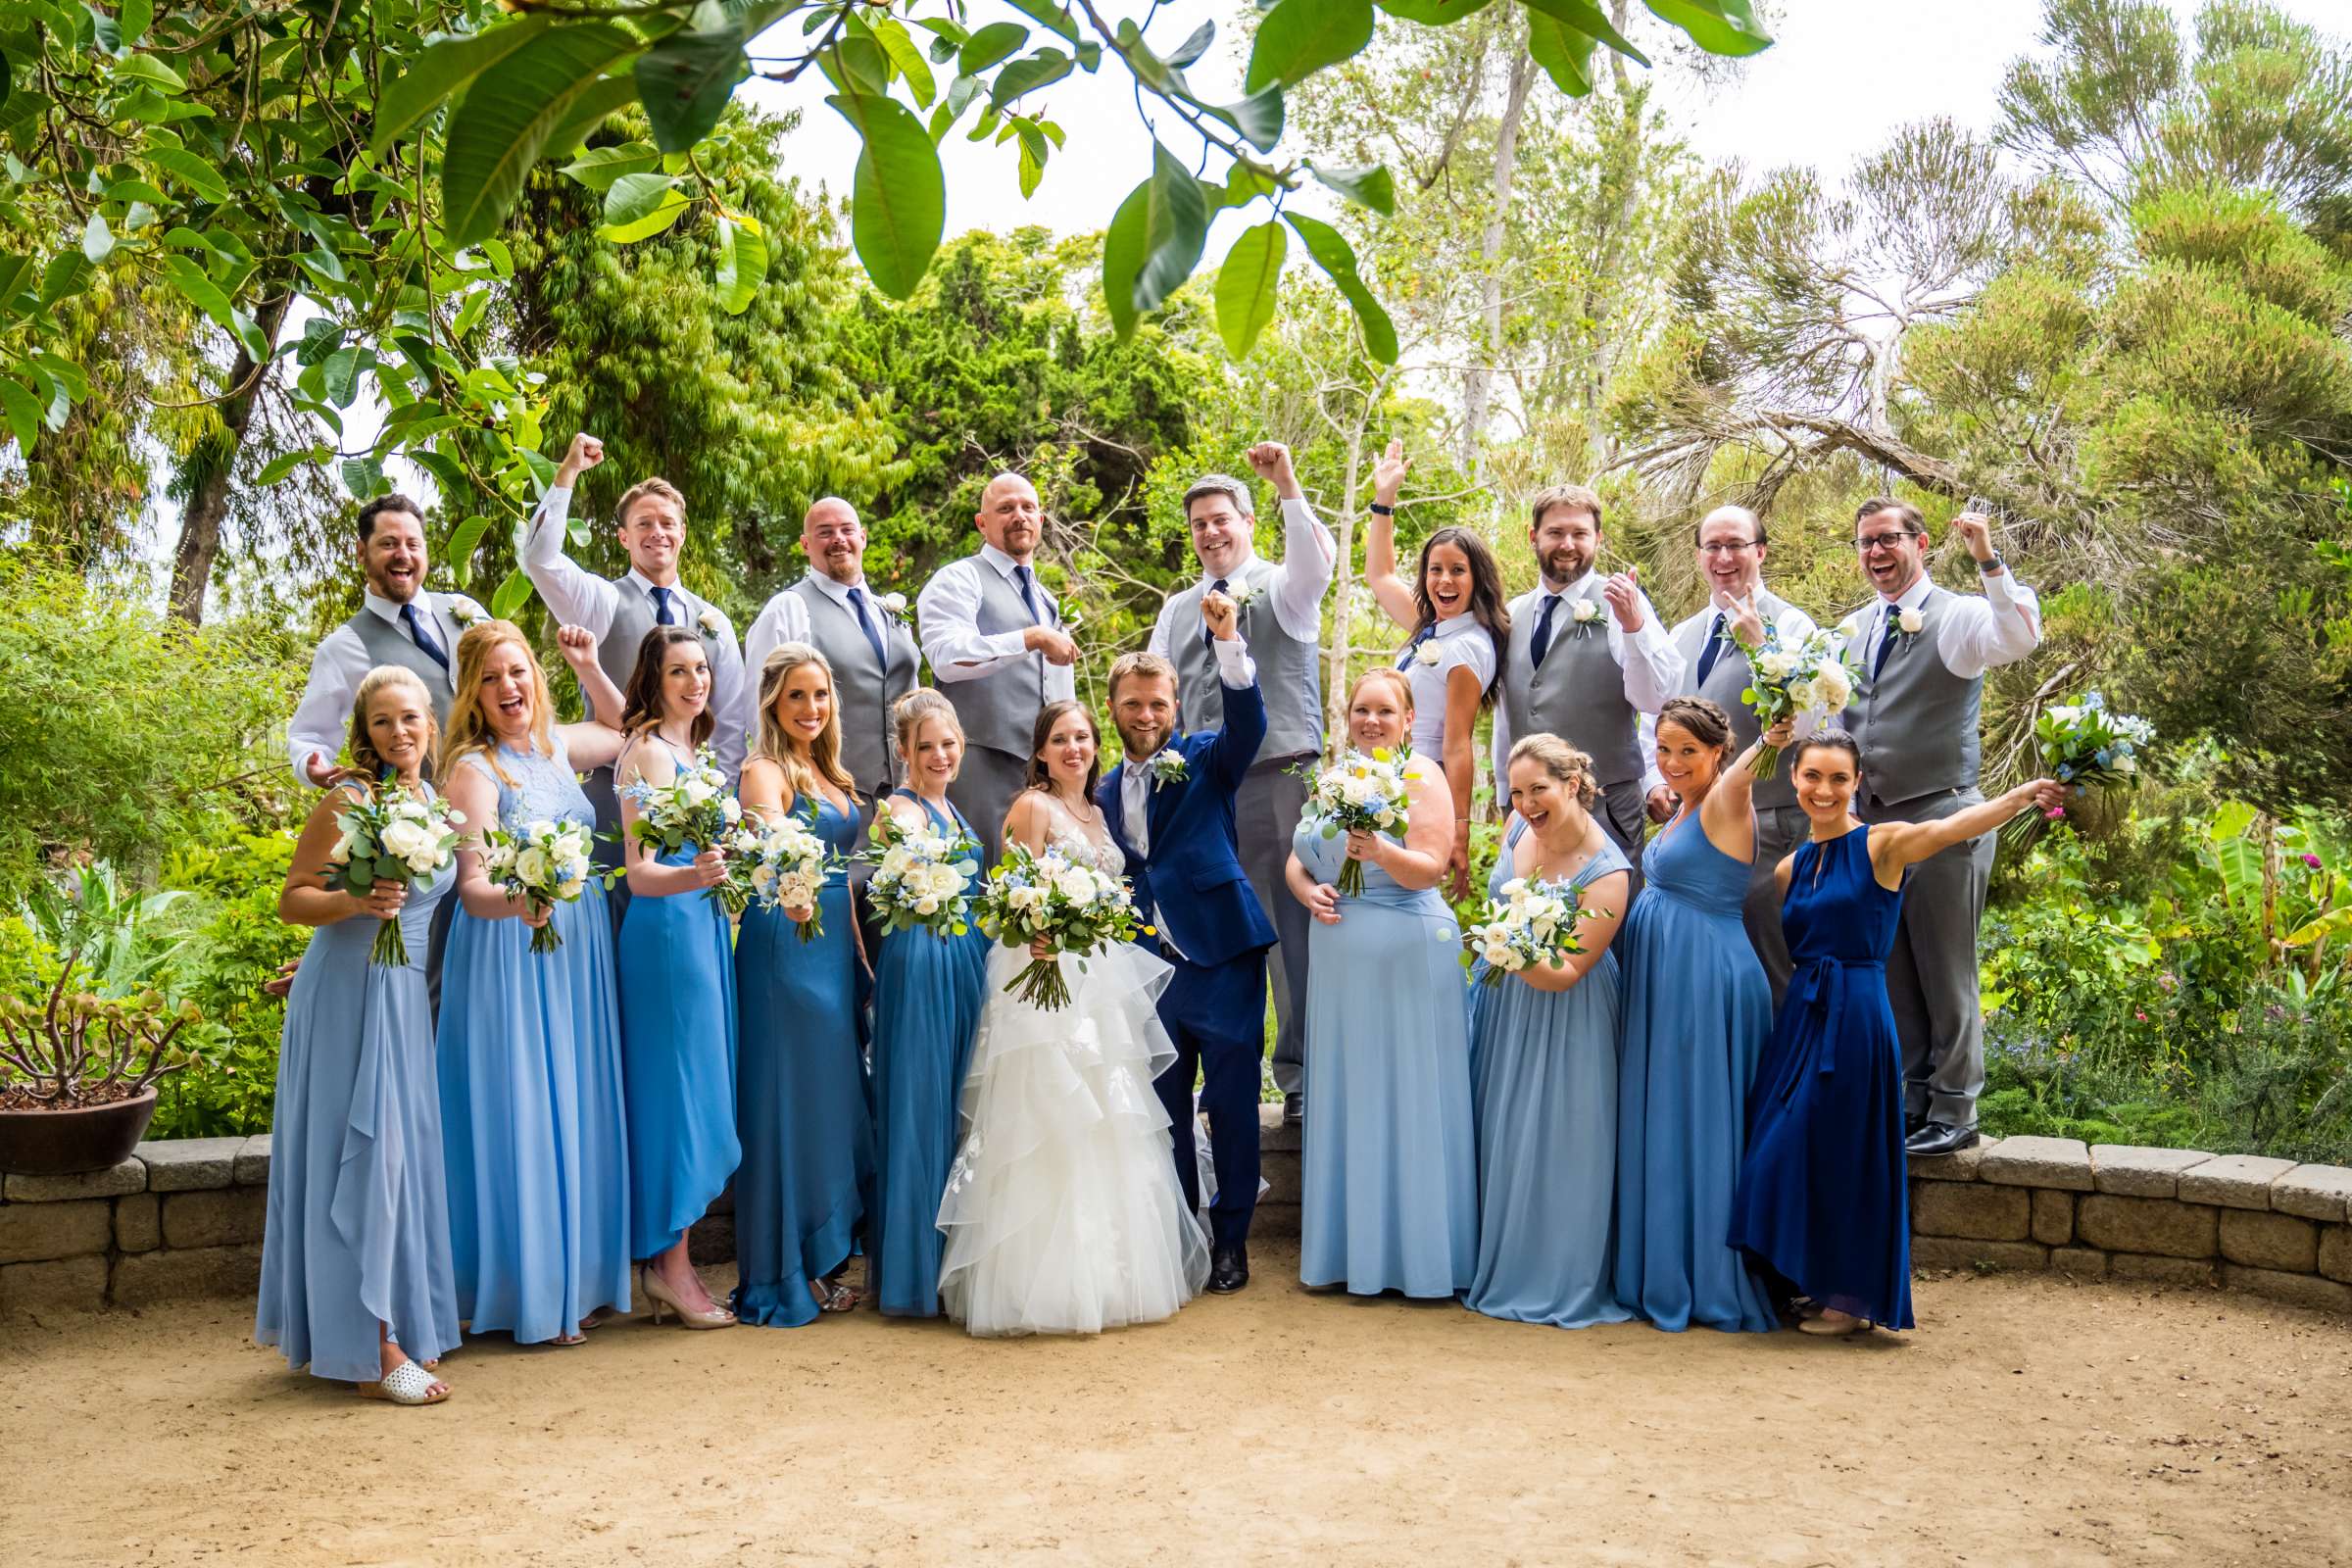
[[1939, 1138], [1911, 1125], [1228, 1269], [1293, 1109]]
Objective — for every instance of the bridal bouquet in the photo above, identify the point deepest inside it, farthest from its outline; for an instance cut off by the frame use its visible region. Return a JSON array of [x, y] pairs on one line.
[[1065, 902], [2085, 745], [543, 864], [1788, 676], [792, 868], [1359, 792], [693, 807], [393, 837], [922, 877], [1526, 925]]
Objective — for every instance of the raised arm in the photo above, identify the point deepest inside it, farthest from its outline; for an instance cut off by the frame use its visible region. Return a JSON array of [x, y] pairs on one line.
[[1897, 846], [1394, 593], [1245, 728], [1728, 814], [577, 597], [1603, 912], [597, 742], [1309, 555]]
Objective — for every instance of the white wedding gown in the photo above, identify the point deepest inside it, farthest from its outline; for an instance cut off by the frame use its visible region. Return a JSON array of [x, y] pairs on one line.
[[1063, 1213]]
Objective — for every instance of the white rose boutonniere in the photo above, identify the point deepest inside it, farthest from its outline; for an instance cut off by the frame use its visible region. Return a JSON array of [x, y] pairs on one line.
[[1587, 614], [1911, 623], [1168, 767], [465, 611], [1240, 593], [892, 605], [713, 623], [1428, 654]]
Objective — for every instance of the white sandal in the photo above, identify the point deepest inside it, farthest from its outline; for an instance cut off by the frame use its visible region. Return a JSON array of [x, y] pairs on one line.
[[407, 1384]]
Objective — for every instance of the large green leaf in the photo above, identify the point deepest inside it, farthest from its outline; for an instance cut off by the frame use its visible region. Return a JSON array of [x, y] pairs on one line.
[[672, 204], [1246, 286], [1332, 253], [1175, 228], [1433, 12], [999, 40], [446, 68], [632, 196], [1123, 257], [1048, 14], [198, 288], [1300, 37], [501, 125], [510, 596], [458, 554], [1258, 117], [1566, 54], [742, 266], [1719, 26], [685, 82], [596, 104], [97, 240], [1371, 186], [1586, 18], [598, 166], [134, 18], [190, 171], [68, 272], [24, 411], [900, 46], [899, 203], [1039, 70]]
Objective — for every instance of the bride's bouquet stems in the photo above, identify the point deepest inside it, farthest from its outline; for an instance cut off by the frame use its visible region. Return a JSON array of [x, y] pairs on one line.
[[1055, 899]]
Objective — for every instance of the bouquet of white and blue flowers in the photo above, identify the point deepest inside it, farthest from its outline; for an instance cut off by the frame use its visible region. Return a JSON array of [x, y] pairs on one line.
[[1789, 674], [1065, 901], [2086, 745], [792, 868], [393, 836], [1360, 792], [695, 808], [1527, 924], [922, 877], [542, 864]]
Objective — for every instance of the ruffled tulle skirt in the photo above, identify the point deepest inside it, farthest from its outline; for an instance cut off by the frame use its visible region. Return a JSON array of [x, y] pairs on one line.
[[1062, 1215]]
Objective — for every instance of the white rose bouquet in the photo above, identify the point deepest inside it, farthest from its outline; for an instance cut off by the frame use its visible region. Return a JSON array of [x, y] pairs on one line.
[[695, 808], [542, 864], [792, 868], [1359, 792], [1790, 675], [1072, 906], [1526, 925], [922, 877], [393, 837]]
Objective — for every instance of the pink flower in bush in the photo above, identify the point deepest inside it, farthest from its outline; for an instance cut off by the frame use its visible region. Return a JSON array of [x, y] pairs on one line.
[[2311, 860]]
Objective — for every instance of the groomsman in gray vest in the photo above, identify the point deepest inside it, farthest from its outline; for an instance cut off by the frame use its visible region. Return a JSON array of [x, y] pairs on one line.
[[1731, 547], [999, 651], [1282, 625], [650, 520], [1588, 657], [863, 636], [1922, 651], [400, 622]]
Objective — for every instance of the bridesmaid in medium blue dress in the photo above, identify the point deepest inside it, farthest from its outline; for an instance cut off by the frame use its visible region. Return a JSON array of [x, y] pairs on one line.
[[799, 1088], [529, 1043], [1823, 1197], [677, 989], [1697, 1008], [356, 1273], [1544, 1064], [1388, 1170], [926, 1008]]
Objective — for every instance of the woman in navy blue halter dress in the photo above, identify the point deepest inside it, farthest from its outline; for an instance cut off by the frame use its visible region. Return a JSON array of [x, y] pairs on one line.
[[1822, 1200], [802, 1193]]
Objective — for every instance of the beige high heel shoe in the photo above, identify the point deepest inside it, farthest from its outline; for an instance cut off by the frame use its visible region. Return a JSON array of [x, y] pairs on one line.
[[659, 1293]]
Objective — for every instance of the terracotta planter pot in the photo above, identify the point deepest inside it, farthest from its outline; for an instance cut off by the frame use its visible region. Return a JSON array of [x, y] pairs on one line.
[[62, 1143]]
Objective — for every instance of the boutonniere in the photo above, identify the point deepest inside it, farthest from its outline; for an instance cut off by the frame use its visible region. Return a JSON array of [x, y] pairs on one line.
[[1240, 593], [894, 605], [1587, 616], [713, 623], [465, 611], [1168, 767], [1909, 623], [1428, 654]]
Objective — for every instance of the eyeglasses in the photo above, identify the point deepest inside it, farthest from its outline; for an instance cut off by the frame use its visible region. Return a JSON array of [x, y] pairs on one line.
[[1728, 550], [1868, 542]]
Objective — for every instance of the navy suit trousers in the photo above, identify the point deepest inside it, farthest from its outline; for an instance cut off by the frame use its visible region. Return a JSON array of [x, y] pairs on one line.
[[1217, 1018]]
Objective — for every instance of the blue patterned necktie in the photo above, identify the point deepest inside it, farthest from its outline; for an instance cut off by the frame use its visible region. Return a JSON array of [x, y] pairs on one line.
[[424, 637], [663, 614], [1714, 649], [866, 624], [1540, 644]]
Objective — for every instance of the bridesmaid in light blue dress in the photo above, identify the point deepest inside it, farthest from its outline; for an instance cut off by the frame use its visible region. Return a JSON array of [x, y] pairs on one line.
[[1697, 1011], [1544, 1064], [926, 1008], [677, 989], [1389, 1198], [529, 1043], [356, 1273], [799, 1088]]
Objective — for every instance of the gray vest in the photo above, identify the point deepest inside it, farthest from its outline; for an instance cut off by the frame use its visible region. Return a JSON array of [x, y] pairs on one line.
[[1722, 687], [1285, 668], [863, 690], [999, 711], [388, 644], [1578, 695], [1917, 723], [633, 618]]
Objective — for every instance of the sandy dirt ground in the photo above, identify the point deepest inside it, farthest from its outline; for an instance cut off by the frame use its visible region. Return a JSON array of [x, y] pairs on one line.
[[2029, 1421]]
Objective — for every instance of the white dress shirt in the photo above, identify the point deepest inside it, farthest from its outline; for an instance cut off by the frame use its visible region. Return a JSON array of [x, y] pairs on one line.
[[322, 718], [947, 616], [1691, 641], [785, 619], [580, 598], [1973, 632], [1651, 674], [1237, 670], [1309, 557]]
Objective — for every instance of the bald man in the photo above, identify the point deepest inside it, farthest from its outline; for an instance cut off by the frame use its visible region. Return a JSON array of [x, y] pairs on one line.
[[863, 635], [997, 649]]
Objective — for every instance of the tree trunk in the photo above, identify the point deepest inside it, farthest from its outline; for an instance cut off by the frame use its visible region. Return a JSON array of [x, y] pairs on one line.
[[1478, 381], [1598, 447], [208, 470]]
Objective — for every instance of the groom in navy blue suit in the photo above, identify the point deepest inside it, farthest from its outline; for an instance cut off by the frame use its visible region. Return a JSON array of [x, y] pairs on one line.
[[1170, 807]]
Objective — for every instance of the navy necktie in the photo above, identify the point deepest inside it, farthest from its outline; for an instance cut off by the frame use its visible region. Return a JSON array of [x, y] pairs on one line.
[[1714, 649], [662, 613], [1406, 658], [1885, 642], [866, 624], [1025, 578], [1208, 639], [1539, 643], [424, 637]]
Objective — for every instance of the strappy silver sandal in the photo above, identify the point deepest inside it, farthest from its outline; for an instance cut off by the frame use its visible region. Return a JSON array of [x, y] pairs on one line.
[[407, 1384]]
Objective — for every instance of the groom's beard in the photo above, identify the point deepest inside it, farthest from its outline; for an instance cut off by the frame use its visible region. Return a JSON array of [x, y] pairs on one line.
[[1141, 743]]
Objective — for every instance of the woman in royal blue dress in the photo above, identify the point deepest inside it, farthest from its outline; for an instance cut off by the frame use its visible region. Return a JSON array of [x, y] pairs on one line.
[[677, 988], [926, 1007], [529, 1043], [799, 1088], [1544, 1063], [1698, 1009], [1823, 1197], [357, 1282], [1388, 1169]]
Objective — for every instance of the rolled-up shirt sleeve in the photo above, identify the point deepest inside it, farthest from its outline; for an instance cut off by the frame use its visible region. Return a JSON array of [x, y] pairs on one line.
[[1309, 557], [947, 612], [574, 597], [323, 714], [2001, 628]]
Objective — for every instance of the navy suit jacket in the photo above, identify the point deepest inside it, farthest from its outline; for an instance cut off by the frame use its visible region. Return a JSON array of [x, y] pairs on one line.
[[1193, 879]]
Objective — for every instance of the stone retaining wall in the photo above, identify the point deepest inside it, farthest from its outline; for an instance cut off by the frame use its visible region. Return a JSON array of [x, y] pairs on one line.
[[184, 1219]]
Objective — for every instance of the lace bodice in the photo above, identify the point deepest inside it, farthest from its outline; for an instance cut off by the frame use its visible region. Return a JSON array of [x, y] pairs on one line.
[[1069, 836], [544, 789]]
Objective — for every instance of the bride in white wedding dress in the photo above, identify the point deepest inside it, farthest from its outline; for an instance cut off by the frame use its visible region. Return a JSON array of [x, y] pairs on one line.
[[1062, 1212]]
